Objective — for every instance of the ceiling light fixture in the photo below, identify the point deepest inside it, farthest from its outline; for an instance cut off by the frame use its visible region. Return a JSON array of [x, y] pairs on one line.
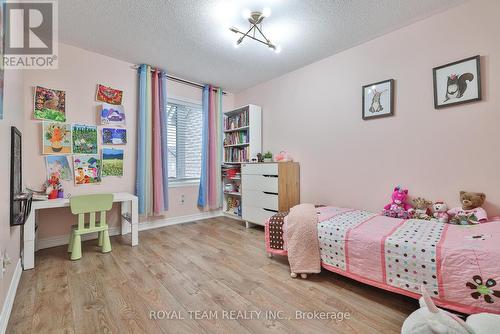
[[255, 19]]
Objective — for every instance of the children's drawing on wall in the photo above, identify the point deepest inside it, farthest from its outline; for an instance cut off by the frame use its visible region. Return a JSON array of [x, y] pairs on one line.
[[56, 138], [109, 95], [57, 165], [84, 139], [112, 162], [112, 136], [378, 99], [458, 82], [87, 169], [112, 114], [50, 104]]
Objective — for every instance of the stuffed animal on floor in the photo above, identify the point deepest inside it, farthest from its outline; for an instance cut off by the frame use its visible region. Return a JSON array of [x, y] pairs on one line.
[[398, 208], [440, 212], [422, 208], [429, 319], [470, 212]]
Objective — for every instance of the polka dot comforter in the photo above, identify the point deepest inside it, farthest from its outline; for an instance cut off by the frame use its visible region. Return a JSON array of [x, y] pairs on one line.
[[458, 265]]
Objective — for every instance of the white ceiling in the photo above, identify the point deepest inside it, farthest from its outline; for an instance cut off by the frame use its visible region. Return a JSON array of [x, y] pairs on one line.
[[190, 38]]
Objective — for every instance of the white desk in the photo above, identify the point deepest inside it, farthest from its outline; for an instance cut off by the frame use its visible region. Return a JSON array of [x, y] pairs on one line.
[[129, 214]]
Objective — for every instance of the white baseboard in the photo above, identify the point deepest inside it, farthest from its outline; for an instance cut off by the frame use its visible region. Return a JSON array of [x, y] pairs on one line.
[[60, 240], [148, 225], [9, 299]]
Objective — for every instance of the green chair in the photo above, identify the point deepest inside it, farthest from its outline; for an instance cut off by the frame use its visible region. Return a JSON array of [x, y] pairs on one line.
[[91, 204]]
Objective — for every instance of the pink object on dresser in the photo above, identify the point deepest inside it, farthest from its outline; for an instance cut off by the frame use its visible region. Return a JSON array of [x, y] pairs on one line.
[[458, 265]]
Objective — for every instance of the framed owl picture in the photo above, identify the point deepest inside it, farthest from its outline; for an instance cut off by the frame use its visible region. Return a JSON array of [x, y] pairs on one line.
[[378, 99], [457, 83]]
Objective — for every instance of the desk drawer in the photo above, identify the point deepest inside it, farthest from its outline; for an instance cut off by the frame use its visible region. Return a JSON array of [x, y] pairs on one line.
[[260, 183], [260, 169], [256, 215], [260, 199]]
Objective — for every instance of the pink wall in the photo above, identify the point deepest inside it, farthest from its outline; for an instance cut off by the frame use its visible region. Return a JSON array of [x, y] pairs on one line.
[[78, 74], [315, 113], [9, 237]]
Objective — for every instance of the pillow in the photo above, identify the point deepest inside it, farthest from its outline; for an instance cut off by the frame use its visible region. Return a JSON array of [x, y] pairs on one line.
[[429, 319]]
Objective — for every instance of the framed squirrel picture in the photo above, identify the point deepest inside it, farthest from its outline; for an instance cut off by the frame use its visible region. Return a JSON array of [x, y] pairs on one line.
[[378, 99], [458, 82]]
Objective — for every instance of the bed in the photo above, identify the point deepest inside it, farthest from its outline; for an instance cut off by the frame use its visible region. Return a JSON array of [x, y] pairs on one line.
[[458, 265]]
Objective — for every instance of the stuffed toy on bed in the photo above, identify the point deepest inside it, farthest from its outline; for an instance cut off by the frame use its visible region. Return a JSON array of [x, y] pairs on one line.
[[471, 212], [398, 208], [429, 319]]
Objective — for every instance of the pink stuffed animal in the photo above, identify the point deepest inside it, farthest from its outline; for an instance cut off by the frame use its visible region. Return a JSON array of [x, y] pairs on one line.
[[398, 208]]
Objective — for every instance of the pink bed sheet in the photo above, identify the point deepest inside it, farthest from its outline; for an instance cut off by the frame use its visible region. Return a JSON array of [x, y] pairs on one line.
[[458, 265]]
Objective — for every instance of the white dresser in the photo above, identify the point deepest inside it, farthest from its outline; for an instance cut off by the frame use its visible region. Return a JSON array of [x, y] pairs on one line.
[[267, 188]]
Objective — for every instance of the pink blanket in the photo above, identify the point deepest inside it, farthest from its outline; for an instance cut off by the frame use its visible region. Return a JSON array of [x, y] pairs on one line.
[[458, 265], [301, 239]]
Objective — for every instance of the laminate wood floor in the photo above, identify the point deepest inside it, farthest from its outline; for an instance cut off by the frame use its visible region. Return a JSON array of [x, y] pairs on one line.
[[213, 273]]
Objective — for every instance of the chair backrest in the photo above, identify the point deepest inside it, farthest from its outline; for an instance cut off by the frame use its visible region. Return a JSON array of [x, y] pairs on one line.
[[80, 205]]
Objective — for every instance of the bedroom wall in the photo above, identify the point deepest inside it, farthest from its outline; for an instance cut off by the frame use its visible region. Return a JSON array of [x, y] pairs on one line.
[[315, 113], [13, 116], [78, 74]]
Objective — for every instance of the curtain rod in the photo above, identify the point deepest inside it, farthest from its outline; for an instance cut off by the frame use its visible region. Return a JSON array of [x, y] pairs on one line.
[[186, 82]]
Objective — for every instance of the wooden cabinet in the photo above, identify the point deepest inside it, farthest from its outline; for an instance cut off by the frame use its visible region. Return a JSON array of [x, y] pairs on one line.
[[267, 188]]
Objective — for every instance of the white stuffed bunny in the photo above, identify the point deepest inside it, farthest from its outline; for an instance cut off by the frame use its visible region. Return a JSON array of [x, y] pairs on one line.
[[429, 319]]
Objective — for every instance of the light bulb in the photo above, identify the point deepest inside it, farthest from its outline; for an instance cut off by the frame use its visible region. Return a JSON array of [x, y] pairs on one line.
[[277, 49], [236, 45], [266, 12], [247, 13]]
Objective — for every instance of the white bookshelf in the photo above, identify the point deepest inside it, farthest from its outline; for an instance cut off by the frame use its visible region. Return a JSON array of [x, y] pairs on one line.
[[239, 136], [249, 133]]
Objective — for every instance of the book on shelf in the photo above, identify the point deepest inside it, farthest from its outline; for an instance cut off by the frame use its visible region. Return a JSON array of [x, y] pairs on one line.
[[236, 154], [235, 138], [236, 121]]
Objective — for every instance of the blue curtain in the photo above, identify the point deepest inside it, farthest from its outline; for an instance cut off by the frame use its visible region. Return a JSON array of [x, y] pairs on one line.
[[152, 150], [203, 189], [141, 140]]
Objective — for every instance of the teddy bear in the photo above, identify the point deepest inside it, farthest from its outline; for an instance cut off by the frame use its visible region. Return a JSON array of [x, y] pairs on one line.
[[422, 210], [440, 210], [470, 212], [398, 208]]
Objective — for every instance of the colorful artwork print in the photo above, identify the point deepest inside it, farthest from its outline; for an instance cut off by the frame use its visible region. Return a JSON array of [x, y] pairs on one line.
[[112, 162], [50, 104], [56, 138], [112, 114], [87, 169], [57, 165], [109, 95], [84, 139], [112, 136]]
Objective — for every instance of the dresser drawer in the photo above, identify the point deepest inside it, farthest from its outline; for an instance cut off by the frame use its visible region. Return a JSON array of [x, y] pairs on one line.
[[261, 199], [259, 182], [260, 169], [255, 214]]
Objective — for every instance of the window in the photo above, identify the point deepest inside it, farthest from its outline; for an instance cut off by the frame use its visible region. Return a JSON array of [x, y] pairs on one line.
[[184, 125]]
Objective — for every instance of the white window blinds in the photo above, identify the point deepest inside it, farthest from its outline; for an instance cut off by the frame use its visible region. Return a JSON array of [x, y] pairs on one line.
[[184, 124]]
